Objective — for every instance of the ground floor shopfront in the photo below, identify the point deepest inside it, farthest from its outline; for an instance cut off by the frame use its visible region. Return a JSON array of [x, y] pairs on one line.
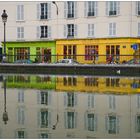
[[97, 50], [42, 51]]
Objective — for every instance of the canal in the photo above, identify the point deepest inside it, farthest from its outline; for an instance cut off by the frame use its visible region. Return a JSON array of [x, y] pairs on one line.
[[67, 106]]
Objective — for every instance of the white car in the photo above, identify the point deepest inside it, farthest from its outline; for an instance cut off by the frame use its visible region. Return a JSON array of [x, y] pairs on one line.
[[67, 61]]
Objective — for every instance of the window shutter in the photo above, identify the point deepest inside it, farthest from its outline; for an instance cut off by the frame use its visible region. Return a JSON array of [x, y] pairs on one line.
[[18, 12], [65, 100], [38, 32], [38, 97], [38, 11], [75, 30], [65, 31], [75, 120], [139, 35], [107, 8], [65, 118], [38, 118], [75, 9], [49, 119], [95, 122], [92, 101], [110, 29], [118, 123], [136, 7], [92, 29], [106, 123], [75, 99], [49, 98], [85, 6], [118, 8], [49, 10], [86, 121], [65, 9], [96, 8], [135, 124], [114, 102], [49, 31], [114, 28], [88, 30], [22, 12]]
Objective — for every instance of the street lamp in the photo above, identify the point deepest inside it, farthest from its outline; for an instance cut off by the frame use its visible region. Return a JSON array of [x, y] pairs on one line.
[[4, 19]]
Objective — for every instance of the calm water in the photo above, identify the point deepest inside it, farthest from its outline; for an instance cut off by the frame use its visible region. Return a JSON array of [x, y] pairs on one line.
[[44, 106]]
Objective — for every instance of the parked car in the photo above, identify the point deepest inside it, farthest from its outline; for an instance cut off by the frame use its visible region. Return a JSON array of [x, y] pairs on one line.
[[67, 61], [23, 61], [132, 61]]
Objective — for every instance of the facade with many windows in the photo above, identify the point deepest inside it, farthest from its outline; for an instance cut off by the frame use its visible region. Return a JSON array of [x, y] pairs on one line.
[[112, 26]]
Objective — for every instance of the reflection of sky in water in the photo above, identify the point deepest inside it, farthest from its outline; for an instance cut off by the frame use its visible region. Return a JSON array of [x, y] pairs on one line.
[[70, 107]]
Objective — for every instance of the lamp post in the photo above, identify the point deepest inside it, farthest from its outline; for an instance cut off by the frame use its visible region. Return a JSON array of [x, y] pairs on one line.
[[5, 114], [4, 19], [57, 21]]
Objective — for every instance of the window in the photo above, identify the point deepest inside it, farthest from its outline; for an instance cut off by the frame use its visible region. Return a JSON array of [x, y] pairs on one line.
[[91, 121], [20, 32], [70, 99], [70, 9], [44, 11], [91, 51], [112, 29], [70, 51], [43, 31], [91, 8], [112, 8], [69, 81], [70, 31], [93, 82], [21, 96], [91, 101], [20, 12], [70, 120], [44, 98], [112, 124], [138, 29], [138, 123], [90, 30], [138, 8], [112, 102], [21, 115], [20, 134]]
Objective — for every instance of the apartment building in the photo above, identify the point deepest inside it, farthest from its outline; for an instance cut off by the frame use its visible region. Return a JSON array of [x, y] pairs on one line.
[[69, 29]]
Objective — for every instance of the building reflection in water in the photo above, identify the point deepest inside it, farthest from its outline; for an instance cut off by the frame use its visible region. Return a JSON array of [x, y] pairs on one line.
[[71, 107]]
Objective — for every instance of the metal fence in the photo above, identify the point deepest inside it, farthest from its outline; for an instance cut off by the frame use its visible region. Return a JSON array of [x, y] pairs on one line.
[[84, 59]]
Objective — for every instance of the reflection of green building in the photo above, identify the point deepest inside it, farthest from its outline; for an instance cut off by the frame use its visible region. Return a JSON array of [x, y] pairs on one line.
[[41, 50], [32, 82]]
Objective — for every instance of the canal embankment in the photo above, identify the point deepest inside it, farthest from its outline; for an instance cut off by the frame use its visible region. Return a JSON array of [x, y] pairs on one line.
[[81, 69]]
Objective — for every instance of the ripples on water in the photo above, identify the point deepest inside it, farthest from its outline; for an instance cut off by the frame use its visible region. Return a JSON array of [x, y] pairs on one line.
[[44, 106]]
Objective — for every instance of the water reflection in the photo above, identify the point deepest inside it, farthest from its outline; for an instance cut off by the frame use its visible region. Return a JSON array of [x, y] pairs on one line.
[[70, 107]]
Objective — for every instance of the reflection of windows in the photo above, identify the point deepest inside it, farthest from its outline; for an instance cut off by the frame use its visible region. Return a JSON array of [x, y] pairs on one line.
[[112, 124], [112, 29], [20, 32], [70, 120], [43, 135], [70, 99], [21, 115], [20, 96], [44, 118], [44, 97], [20, 134], [91, 101], [91, 122], [69, 81], [20, 12], [112, 102], [91, 81], [90, 30], [137, 123]]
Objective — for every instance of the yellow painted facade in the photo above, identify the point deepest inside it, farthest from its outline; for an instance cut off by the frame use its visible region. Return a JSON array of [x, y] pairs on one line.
[[123, 43], [97, 85]]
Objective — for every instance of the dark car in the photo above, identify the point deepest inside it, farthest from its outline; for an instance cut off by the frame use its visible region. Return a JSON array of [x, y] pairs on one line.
[[133, 61], [23, 61]]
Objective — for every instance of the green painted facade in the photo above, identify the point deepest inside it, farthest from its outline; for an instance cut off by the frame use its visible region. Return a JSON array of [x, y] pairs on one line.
[[33, 45]]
